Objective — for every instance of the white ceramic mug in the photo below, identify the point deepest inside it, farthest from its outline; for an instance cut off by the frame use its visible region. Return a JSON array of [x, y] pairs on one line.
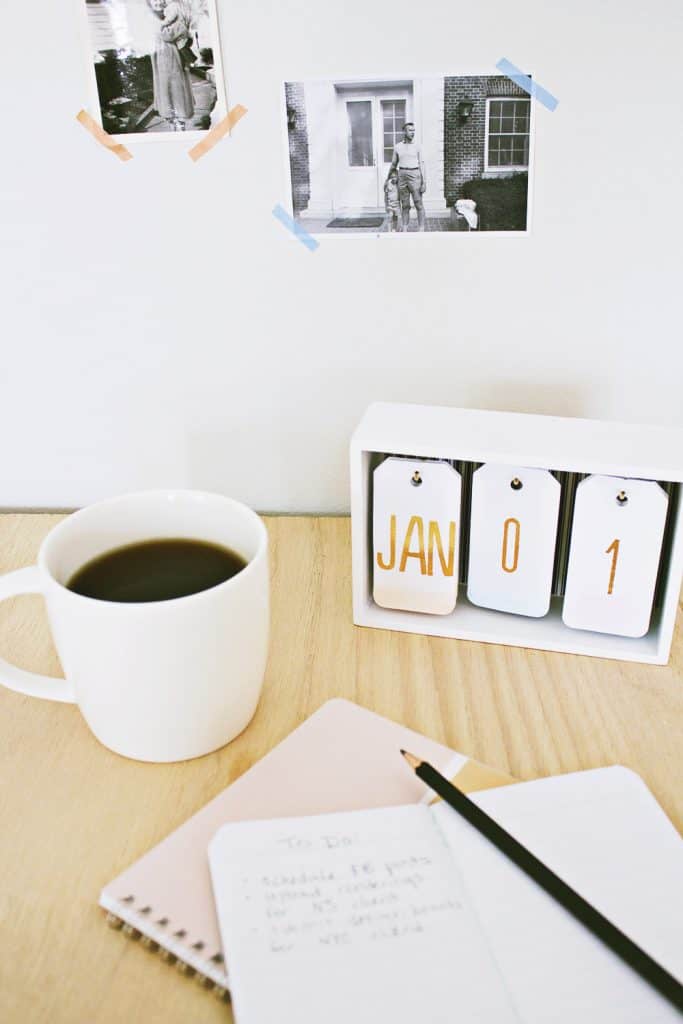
[[162, 680]]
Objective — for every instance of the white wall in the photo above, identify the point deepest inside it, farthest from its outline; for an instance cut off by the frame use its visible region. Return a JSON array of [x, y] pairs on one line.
[[161, 327]]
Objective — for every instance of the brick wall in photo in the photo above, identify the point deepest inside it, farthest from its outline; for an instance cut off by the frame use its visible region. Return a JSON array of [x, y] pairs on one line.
[[464, 148], [298, 145]]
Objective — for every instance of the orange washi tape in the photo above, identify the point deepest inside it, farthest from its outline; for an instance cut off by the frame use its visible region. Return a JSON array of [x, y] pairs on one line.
[[217, 132], [117, 148]]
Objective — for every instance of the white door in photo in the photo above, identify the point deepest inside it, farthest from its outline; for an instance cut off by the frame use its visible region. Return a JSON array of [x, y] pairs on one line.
[[614, 553], [369, 124], [513, 527], [416, 530]]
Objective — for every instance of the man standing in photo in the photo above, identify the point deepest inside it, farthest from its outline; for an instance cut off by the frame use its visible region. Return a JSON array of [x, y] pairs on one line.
[[412, 181]]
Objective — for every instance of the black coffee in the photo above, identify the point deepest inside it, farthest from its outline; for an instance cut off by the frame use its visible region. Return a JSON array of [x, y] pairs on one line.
[[156, 570]]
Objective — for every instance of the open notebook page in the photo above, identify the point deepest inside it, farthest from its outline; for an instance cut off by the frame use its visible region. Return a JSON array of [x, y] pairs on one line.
[[359, 916], [603, 832]]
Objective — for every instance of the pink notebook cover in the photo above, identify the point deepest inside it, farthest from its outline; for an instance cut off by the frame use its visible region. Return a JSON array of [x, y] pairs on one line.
[[342, 758]]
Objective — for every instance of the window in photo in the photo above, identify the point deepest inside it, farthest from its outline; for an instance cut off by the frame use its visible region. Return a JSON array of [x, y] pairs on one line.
[[360, 144], [507, 136], [393, 119]]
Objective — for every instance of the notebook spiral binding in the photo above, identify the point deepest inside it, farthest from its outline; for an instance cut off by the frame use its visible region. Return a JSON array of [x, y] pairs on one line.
[[157, 937]]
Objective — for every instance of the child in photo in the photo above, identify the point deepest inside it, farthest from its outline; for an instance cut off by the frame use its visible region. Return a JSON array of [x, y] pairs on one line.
[[174, 17], [391, 200]]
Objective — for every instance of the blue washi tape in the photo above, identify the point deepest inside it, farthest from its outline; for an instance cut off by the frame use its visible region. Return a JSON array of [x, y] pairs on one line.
[[309, 241], [525, 82]]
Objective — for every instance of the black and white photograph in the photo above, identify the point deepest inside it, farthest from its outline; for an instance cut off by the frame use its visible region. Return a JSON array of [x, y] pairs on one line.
[[414, 154], [156, 66]]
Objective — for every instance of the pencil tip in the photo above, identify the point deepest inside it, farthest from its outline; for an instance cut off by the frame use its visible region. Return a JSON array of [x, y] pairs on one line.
[[413, 761]]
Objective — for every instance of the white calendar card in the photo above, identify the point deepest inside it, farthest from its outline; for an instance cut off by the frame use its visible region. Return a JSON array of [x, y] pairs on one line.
[[513, 529], [614, 553], [416, 530]]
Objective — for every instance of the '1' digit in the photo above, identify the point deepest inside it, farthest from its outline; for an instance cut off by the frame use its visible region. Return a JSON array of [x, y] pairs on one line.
[[614, 547]]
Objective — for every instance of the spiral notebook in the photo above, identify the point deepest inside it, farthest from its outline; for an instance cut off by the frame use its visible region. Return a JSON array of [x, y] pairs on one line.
[[165, 898]]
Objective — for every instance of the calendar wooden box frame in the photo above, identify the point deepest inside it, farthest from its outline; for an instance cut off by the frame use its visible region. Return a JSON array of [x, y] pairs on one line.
[[547, 442]]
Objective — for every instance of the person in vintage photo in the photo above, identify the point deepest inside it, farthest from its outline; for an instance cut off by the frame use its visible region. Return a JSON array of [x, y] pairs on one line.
[[173, 98], [391, 200], [457, 147], [407, 160], [155, 65]]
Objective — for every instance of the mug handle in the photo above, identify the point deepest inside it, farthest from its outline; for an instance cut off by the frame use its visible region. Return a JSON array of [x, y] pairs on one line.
[[29, 581]]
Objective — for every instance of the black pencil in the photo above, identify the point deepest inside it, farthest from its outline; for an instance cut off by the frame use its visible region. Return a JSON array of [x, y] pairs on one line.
[[578, 907]]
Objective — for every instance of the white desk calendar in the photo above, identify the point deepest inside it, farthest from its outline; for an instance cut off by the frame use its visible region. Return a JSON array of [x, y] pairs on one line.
[[571, 450], [513, 528], [614, 554], [415, 530]]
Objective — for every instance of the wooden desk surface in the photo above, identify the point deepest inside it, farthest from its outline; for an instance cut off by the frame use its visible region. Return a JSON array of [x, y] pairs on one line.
[[73, 815]]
